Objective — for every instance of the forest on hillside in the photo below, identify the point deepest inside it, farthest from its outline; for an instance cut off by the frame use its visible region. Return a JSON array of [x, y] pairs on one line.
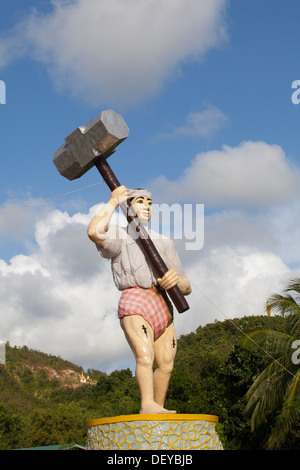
[[212, 374]]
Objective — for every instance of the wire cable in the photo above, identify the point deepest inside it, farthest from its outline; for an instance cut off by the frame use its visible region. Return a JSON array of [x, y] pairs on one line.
[[44, 201], [245, 334], [241, 330]]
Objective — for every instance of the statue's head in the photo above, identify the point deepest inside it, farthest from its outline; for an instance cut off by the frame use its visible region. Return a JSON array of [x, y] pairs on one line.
[[141, 201]]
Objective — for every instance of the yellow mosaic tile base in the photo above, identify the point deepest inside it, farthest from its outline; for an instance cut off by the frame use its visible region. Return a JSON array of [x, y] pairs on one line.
[[154, 432]]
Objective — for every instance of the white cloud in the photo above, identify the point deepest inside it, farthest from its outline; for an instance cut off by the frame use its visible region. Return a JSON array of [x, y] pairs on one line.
[[283, 225], [18, 217], [252, 174], [60, 298], [202, 124], [120, 51], [230, 283]]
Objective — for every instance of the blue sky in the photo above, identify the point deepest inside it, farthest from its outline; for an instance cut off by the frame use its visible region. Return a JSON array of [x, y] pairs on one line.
[[205, 88]]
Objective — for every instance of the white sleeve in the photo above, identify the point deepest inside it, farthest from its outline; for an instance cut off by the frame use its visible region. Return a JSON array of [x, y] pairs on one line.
[[112, 243]]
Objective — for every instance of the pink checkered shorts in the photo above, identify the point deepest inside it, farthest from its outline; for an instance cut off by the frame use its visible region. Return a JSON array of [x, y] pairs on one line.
[[148, 303]]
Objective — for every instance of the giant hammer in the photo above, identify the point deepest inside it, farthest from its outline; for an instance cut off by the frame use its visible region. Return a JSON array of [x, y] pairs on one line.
[[90, 146]]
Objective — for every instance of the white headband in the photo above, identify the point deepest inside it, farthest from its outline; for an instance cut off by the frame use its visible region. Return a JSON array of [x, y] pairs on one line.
[[140, 192]]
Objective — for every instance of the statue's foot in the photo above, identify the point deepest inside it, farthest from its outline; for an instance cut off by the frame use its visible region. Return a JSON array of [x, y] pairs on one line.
[[154, 408]]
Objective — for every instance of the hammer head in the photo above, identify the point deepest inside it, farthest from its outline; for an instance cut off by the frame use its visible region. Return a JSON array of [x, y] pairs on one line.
[[81, 148]]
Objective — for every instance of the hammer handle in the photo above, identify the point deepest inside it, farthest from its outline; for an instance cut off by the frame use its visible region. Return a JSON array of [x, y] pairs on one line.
[[147, 244]]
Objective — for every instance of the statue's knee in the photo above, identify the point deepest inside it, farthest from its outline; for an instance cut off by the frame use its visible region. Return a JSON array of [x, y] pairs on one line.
[[144, 360], [166, 367]]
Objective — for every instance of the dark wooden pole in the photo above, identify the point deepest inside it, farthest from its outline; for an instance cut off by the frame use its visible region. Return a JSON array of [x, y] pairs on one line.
[[144, 240]]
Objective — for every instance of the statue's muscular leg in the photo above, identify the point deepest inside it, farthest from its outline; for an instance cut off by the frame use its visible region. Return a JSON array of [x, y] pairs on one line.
[[165, 348], [140, 338]]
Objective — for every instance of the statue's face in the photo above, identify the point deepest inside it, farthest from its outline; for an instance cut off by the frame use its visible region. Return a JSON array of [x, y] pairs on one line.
[[143, 207]]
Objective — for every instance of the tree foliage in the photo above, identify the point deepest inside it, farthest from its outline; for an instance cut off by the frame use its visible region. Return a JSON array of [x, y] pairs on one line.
[[212, 374], [275, 393]]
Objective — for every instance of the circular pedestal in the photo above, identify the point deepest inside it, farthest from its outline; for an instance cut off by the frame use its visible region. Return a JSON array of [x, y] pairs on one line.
[[154, 432]]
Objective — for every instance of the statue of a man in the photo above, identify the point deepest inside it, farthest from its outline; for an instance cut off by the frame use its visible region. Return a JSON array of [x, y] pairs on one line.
[[145, 313]]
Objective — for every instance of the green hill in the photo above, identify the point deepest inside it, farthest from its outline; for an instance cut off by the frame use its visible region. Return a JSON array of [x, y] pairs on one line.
[[43, 401]]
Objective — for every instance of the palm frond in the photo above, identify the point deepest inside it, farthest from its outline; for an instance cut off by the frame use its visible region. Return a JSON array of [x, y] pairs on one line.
[[283, 305], [267, 398], [290, 414], [293, 391], [277, 388], [294, 325], [273, 343], [293, 285], [264, 381], [268, 390]]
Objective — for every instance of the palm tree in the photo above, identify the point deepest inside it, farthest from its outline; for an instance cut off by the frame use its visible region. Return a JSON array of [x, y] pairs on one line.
[[277, 388]]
